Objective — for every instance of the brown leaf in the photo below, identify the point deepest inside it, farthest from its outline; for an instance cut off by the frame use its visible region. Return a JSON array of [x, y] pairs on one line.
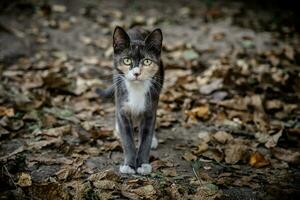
[[126, 192], [65, 172], [207, 193], [169, 172], [234, 153], [272, 141], [257, 160], [188, 156], [274, 104], [106, 184], [5, 111], [146, 191], [237, 103], [101, 133], [289, 52], [48, 191], [157, 164], [43, 143], [202, 147], [214, 154], [24, 180], [211, 87], [110, 146], [56, 132], [201, 112], [204, 136], [174, 190], [222, 137], [286, 155], [107, 174]]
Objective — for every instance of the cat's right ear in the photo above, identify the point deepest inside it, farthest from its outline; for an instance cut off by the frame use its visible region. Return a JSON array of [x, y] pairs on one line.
[[121, 40]]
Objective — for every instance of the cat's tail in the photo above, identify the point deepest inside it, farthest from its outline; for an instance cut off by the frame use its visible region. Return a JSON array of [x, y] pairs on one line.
[[106, 93]]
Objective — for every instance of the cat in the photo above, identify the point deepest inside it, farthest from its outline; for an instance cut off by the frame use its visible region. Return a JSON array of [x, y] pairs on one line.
[[137, 82]]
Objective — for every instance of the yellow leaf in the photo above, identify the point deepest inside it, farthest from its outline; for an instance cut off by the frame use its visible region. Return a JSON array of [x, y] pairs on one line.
[[24, 180], [257, 160]]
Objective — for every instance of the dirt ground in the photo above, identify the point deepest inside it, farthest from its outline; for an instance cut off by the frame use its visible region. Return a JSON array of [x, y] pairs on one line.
[[228, 120]]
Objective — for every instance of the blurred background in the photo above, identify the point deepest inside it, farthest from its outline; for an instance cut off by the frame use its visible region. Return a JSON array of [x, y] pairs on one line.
[[228, 121]]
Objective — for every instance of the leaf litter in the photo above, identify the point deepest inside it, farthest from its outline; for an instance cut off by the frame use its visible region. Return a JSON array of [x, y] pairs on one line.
[[228, 118]]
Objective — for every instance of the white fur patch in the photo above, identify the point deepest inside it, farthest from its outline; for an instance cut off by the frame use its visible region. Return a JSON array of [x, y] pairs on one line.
[[117, 130], [144, 169], [154, 142], [125, 169], [137, 95]]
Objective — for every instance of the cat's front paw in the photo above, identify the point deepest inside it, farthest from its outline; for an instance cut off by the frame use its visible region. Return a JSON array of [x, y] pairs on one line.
[[126, 169], [144, 169]]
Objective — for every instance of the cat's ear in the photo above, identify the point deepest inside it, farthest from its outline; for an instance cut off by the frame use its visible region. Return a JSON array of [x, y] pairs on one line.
[[154, 41], [121, 40]]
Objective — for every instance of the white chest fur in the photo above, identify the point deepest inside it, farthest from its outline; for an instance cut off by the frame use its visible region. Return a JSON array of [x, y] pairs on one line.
[[137, 92]]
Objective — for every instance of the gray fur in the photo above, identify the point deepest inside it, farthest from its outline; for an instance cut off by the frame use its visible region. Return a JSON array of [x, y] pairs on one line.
[[137, 48]]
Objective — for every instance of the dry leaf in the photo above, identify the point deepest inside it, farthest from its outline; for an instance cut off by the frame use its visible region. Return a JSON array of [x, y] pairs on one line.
[[110, 146], [274, 104], [201, 112], [169, 172], [214, 154], [147, 191], [55, 132], [5, 111], [222, 137], [106, 184], [157, 164], [43, 143], [202, 147], [211, 87], [286, 155], [204, 136], [272, 141], [107, 174], [189, 156], [24, 180], [257, 160], [175, 193], [234, 153]]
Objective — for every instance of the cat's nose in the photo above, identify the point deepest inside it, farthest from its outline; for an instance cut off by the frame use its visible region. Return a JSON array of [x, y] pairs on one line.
[[136, 74]]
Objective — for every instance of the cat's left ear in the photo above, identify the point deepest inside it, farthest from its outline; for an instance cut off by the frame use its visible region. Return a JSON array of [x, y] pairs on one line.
[[121, 39], [154, 41]]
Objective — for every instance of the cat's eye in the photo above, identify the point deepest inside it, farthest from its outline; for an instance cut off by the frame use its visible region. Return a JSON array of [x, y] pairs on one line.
[[147, 62], [127, 61]]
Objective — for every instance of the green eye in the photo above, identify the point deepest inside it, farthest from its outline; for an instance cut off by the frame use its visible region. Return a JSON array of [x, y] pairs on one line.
[[147, 62], [127, 61]]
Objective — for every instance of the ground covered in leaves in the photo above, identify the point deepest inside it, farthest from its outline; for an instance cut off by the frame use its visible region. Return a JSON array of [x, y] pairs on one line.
[[228, 120]]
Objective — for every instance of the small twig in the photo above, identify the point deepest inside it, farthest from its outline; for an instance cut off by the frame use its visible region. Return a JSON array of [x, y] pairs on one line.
[[201, 183], [10, 176], [197, 176]]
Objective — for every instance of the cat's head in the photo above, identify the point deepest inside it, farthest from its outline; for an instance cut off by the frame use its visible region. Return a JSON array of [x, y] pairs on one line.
[[137, 60]]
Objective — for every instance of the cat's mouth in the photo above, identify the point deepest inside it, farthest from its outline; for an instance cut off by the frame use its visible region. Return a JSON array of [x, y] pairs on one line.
[[136, 79]]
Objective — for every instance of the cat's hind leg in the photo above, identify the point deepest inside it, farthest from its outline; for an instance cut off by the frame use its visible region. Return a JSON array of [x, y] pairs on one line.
[[154, 142]]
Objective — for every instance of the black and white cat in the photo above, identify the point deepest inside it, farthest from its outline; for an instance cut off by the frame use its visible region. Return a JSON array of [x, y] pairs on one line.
[[138, 79]]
